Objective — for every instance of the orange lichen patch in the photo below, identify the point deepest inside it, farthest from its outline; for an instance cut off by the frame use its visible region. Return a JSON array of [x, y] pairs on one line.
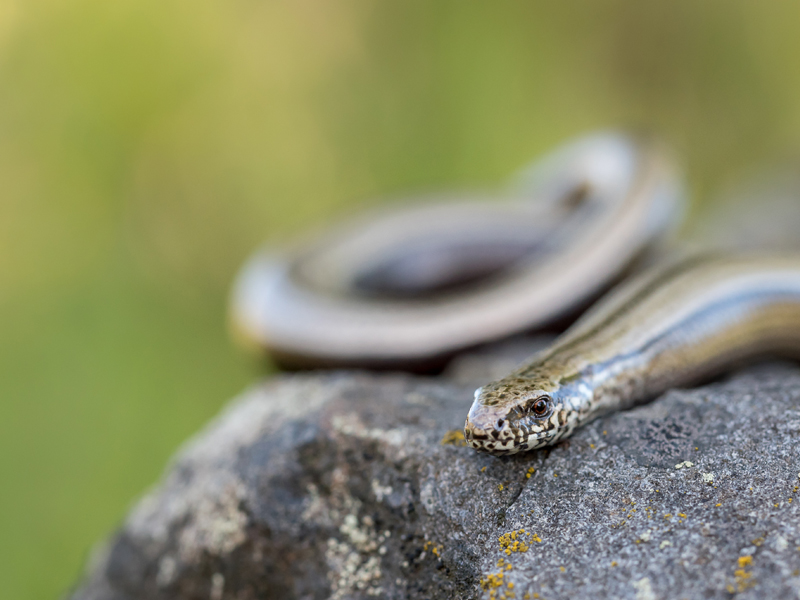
[[509, 542], [742, 579], [492, 581], [530, 472], [454, 438], [435, 549], [503, 564]]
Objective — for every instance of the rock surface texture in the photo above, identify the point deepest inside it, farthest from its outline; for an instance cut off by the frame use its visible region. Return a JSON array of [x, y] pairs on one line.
[[351, 485]]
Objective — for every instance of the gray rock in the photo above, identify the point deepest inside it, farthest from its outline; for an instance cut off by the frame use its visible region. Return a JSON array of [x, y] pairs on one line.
[[339, 485]]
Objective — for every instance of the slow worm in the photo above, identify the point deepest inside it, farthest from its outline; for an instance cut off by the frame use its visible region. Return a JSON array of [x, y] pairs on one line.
[[671, 327], [410, 286]]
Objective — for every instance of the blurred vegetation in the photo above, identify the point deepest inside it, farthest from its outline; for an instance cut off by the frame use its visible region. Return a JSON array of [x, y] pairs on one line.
[[146, 146]]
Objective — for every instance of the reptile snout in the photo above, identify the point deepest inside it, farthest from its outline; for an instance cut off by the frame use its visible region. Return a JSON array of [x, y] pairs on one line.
[[488, 430]]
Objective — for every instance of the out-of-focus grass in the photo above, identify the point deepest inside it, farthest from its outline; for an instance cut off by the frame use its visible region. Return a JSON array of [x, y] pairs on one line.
[[147, 145]]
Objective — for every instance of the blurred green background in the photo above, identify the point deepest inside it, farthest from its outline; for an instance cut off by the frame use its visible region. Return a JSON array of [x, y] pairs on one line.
[[147, 146]]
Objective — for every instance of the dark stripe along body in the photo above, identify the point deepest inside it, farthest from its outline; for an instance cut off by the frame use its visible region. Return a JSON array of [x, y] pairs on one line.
[[672, 327]]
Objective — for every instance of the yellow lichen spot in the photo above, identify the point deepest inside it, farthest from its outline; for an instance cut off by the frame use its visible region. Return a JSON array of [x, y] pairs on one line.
[[511, 585], [563, 570], [742, 578], [530, 472], [538, 540], [681, 515], [758, 541], [668, 516], [613, 563], [591, 446], [483, 469], [454, 437], [555, 474], [535, 595], [789, 500], [509, 542], [605, 432], [491, 581], [719, 503], [500, 488], [776, 505]]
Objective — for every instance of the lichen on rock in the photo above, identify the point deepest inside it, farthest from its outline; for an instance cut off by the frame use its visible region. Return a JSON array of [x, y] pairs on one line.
[[338, 485]]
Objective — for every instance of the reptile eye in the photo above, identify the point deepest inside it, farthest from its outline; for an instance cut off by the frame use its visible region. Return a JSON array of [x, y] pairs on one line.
[[541, 407]]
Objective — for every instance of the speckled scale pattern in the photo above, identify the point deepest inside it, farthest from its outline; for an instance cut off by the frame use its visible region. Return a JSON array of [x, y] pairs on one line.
[[672, 327]]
